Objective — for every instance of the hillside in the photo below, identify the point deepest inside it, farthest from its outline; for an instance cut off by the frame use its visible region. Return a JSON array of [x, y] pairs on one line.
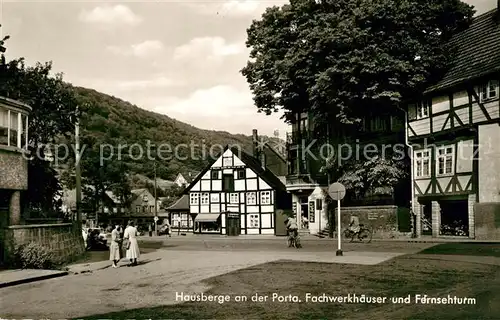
[[110, 120]]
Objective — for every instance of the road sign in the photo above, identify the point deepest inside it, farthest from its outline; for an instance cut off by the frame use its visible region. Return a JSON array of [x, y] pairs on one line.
[[156, 219], [336, 191]]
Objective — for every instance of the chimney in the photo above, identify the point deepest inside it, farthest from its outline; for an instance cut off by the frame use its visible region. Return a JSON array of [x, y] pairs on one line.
[[255, 138]]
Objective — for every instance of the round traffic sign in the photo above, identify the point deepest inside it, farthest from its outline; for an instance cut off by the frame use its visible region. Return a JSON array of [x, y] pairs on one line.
[[336, 191]]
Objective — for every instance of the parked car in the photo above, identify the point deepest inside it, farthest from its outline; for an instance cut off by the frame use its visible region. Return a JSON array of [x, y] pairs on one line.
[[95, 239]]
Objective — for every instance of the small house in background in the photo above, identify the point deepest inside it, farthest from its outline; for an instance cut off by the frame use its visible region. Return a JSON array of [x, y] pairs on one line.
[[180, 216], [180, 180], [183, 181], [142, 208], [236, 194]]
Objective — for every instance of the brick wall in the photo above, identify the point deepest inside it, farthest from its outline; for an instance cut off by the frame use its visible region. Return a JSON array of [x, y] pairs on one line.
[[64, 239], [436, 219], [418, 216], [470, 204], [381, 219], [487, 219]]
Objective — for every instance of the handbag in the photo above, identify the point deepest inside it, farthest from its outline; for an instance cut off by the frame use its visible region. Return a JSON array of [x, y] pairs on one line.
[[126, 244]]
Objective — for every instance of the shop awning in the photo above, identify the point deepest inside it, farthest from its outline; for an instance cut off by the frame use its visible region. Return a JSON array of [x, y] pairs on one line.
[[207, 217]]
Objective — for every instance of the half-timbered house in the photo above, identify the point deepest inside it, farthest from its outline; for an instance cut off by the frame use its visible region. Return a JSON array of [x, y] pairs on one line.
[[454, 131], [237, 194]]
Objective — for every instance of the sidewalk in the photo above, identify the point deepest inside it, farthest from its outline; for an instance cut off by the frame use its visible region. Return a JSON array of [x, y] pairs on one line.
[[308, 237], [19, 276]]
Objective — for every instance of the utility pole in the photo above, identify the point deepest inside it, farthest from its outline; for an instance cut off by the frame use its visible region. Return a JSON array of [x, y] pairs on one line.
[[156, 201], [77, 169]]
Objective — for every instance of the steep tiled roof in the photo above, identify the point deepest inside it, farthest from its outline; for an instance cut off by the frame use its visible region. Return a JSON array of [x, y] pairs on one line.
[[253, 163], [113, 197], [180, 205], [256, 166], [478, 52]]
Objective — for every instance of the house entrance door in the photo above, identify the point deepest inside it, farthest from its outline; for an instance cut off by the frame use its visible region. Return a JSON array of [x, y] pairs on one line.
[[233, 225]]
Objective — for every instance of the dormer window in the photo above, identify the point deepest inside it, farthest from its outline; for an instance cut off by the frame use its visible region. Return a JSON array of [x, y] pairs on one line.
[[423, 108], [488, 91]]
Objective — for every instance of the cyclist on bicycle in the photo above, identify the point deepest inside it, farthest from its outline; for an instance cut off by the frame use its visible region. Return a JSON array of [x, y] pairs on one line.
[[354, 225], [291, 227]]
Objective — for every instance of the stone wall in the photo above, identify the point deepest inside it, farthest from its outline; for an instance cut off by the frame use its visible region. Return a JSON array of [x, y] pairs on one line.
[[64, 239], [487, 221], [381, 219]]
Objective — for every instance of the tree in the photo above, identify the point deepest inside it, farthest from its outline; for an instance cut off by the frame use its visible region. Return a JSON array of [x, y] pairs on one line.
[[100, 175], [53, 114], [338, 58], [172, 194], [367, 176]]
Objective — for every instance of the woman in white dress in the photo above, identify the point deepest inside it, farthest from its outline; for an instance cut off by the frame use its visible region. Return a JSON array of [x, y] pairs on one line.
[[114, 248], [132, 246]]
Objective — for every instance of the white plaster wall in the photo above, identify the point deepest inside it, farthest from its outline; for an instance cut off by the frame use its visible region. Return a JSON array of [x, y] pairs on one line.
[[267, 208], [217, 185], [489, 163], [267, 231], [253, 209], [223, 220], [194, 209], [250, 173], [196, 187], [266, 220], [239, 185], [205, 185], [441, 103], [252, 184], [465, 150], [460, 98]]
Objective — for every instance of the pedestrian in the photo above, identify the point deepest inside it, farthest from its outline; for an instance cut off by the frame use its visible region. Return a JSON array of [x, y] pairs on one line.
[[132, 247], [115, 246], [150, 230], [167, 224]]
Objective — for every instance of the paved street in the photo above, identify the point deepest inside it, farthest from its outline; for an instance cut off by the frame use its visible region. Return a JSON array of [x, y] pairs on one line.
[[179, 266]]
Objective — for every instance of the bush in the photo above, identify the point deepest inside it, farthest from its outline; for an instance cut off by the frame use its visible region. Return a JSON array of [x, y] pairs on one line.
[[35, 256]]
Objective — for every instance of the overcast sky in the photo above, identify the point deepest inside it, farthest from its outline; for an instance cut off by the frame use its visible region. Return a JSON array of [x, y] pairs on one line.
[[179, 58]]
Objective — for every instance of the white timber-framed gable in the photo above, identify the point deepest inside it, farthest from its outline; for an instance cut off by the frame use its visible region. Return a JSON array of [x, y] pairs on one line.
[[234, 187]]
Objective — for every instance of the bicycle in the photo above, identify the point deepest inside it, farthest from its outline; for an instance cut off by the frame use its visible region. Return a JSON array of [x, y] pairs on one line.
[[363, 233], [294, 241]]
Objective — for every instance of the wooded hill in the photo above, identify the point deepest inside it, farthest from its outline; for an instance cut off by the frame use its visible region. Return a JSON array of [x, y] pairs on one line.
[[110, 120]]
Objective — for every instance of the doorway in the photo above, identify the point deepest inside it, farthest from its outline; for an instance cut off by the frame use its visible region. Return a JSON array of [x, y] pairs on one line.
[[454, 218], [304, 212], [233, 225], [426, 218]]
